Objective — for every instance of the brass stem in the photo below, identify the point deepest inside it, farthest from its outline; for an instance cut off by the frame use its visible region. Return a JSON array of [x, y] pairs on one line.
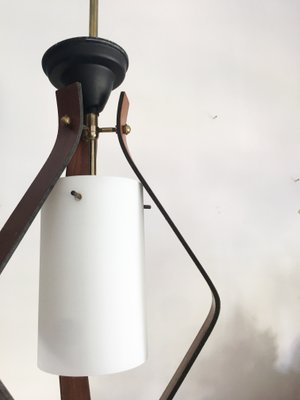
[[93, 31], [91, 121], [93, 156]]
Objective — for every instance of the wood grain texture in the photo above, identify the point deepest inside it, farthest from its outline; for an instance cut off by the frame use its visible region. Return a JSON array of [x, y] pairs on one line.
[[77, 388], [80, 162], [4, 393], [213, 314], [70, 109], [74, 388], [69, 102]]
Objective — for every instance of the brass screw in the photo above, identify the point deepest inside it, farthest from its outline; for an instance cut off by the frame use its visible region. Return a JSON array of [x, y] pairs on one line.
[[77, 195], [106, 130], [126, 129], [66, 120]]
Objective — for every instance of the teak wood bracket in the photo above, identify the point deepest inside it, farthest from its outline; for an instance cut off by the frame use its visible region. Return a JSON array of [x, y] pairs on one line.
[[70, 117], [214, 311], [4, 393], [69, 104], [74, 388]]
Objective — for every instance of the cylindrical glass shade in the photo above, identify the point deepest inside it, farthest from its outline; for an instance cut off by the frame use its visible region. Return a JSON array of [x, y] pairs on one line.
[[91, 305]]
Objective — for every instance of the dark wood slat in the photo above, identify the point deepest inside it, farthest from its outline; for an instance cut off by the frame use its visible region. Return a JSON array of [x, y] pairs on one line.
[[69, 102], [77, 388], [4, 393], [214, 311], [74, 388], [80, 164]]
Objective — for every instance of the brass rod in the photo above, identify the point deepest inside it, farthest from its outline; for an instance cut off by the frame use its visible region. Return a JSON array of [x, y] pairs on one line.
[[93, 156], [107, 130], [93, 31], [91, 121]]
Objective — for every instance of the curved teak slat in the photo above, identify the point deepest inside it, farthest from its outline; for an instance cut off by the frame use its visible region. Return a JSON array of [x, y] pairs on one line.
[[77, 388], [69, 104], [4, 393], [214, 311], [74, 388]]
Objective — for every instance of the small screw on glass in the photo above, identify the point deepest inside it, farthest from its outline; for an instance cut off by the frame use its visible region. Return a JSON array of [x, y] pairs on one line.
[[77, 195]]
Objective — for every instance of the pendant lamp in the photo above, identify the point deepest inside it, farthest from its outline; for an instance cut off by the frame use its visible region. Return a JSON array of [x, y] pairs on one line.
[[91, 309], [91, 298]]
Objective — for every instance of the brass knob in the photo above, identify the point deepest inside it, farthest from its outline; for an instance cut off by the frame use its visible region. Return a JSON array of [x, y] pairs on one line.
[[66, 120], [126, 129]]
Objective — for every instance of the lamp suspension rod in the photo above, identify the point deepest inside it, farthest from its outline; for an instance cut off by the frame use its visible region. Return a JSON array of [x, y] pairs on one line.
[[93, 31], [92, 119]]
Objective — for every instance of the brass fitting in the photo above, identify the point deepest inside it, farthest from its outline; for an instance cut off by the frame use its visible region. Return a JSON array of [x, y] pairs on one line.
[[90, 134], [125, 130], [90, 130], [66, 120]]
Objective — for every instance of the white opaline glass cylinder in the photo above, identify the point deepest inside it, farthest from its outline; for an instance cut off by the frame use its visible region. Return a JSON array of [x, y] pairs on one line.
[[91, 302]]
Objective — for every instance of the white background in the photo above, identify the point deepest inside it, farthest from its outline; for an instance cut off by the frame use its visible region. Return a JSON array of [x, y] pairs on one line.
[[215, 95]]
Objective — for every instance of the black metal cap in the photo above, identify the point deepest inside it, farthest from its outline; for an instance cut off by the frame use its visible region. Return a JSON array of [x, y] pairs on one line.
[[98, 64]]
